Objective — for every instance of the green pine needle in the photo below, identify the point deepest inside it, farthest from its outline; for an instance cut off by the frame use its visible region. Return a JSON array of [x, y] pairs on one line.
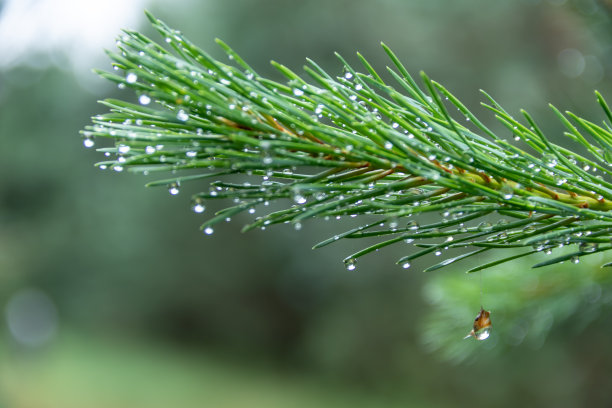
[[355, 145]]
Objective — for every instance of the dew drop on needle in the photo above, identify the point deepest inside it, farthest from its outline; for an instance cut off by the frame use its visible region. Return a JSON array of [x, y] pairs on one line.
[[482, 326]]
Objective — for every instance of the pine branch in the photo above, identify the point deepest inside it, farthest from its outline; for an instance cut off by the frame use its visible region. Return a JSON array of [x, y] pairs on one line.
[[355, 146]]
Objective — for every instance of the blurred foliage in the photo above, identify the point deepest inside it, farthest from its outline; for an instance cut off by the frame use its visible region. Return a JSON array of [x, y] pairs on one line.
[[79, 372], [527, 305], [138, 269]]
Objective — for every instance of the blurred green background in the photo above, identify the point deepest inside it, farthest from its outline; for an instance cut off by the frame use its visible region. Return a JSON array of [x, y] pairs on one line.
[[112, 297]]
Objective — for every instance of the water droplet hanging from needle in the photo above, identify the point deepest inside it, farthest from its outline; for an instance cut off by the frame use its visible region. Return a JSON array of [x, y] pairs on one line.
[[482, 326]]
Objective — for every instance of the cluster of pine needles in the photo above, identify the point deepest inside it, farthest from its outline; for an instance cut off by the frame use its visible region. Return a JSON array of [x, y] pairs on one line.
[[357, 146]]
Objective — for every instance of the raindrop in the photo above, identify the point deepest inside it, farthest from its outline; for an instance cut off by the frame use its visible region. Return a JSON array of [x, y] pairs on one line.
[[131, 78], [529, 229], [350, 264], [144, 99], [575, 259], [182, 115], [208, 230], [299, 199], [507, 192], [388, 145], [482, 326], [198, 208], [173, 189], [550, 160], [348, 75], [298, 92], [297, 226], [485, 226], [587, 247], [406, 265], [123, 149], [149, 150], [412, 225], [467, 157], [88, 142]]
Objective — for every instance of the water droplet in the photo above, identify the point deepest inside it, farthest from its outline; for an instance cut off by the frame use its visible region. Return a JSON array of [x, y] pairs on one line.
[[550, 160], [485, 226], [388, 145], [144, 99], [529, 229], [198, 208], [298, 92], [182, 115], [123, 149], [587, 247], [350, 264], [412, 225], [173, 189], [208, 230], [575, 259], [467, 157], [131, 77], [297, 226], [406, 265], [299, 199], [358, 87], [482, 326], [348, 75], [395, 125], [149, 150], [88, 142], [118, 168], [507, 192]]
